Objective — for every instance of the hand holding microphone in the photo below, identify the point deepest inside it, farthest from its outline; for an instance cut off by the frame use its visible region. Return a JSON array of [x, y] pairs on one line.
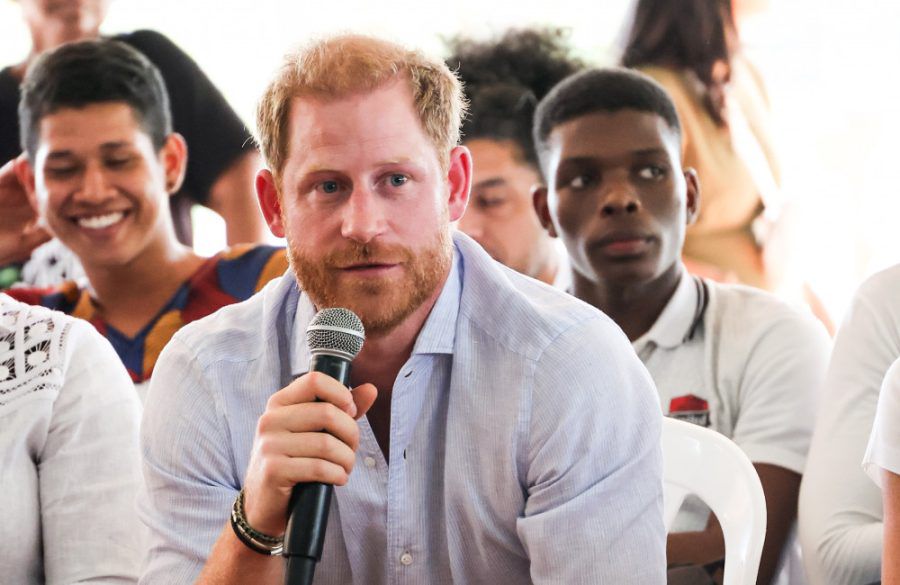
[[308, 433]]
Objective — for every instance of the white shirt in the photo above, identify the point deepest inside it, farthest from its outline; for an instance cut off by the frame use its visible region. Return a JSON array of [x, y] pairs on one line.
[[69, 449], [883, 451], [840, 508], [524, 441], [748, 366], [51, 264]]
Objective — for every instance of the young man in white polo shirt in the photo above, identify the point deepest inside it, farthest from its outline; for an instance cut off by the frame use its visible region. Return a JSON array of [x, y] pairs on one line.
[[730, 358]]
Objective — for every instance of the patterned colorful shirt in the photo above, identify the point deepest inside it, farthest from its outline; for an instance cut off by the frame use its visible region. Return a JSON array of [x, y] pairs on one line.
[[229, 277]]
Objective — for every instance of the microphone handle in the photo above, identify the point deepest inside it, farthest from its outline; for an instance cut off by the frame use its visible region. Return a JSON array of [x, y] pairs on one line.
[[304, 537]]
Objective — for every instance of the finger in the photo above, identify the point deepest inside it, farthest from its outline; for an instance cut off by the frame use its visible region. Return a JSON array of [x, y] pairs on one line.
[[364, 396], [310, 417], [311, 387], [289, 471], [310, 446]]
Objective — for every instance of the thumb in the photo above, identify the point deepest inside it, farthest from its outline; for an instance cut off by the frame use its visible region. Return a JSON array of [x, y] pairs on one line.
[[364, 397]]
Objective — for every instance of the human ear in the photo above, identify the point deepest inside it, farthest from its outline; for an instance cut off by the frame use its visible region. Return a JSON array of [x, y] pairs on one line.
[[270, 201], [542, 208], [459, 179], [174, 159], [692, 194]]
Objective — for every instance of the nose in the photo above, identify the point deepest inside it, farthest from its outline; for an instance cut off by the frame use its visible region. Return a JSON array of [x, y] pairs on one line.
[[363, 216], [95, 185], [620, 198]]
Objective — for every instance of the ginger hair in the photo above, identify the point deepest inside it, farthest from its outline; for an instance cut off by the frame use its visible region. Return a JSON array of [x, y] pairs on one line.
[[344, 65]]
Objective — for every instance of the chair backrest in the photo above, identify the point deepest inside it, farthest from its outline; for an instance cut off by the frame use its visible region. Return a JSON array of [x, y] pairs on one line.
[[705, 463]]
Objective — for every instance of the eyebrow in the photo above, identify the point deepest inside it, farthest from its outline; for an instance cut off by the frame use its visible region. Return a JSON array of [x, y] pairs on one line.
[[317, 169], [61, 154], [641, 152], [488, 183], [113, 145]]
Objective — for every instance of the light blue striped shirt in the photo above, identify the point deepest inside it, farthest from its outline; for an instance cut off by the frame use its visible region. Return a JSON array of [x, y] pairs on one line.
[[524, 441]]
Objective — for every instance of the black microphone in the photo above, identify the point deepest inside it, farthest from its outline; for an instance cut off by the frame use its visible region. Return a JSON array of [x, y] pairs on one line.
[[335, 337]]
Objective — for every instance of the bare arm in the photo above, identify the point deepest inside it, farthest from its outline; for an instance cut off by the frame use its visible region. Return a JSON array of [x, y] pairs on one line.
[[890, 565], [780, 487], [232, 196]]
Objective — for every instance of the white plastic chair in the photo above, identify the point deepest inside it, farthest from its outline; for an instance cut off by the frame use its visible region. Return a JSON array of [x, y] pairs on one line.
[[705, 463]]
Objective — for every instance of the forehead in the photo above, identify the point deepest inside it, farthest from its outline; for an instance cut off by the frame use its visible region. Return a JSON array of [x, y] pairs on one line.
[[496, 154], [381, 124], [91, 124], [613, 134]]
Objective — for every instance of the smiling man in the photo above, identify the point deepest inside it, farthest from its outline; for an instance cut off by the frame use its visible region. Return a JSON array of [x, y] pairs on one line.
[[506, 432], [730, 358], [102, 162]]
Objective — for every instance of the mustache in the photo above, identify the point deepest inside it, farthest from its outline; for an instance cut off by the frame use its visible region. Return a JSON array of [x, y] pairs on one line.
[[370, 253]]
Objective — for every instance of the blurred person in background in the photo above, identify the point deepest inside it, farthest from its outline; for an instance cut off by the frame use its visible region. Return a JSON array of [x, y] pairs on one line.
[[102, 162], [69, 420], [692, 49], [223, 159], [841, 511], [504, 79]]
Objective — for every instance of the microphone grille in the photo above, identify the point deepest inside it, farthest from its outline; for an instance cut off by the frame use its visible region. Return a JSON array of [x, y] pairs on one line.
[[336, 331]]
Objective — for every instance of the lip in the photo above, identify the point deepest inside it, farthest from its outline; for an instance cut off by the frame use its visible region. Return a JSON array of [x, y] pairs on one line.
[[624, 244], [373, 269]]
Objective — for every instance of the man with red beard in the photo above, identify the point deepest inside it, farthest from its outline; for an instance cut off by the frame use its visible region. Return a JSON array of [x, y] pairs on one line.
[[499, 430]]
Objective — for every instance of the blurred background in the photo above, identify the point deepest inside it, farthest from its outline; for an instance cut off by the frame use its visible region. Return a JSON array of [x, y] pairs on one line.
[[826, 66]]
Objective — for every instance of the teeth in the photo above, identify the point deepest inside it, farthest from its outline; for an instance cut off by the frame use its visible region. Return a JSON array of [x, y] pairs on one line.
[[98, 222]]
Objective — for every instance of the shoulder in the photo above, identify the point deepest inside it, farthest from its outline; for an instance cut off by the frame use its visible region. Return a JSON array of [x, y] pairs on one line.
[[745, 315], [57, 348], [149, 42], [245, 269], [62, 298], [238, 331], [672, 80], [520, 314], [880, 289], [9, 88]]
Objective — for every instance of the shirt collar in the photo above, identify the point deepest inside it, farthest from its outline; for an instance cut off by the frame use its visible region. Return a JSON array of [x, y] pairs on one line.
[[437, 336], [677, 318]]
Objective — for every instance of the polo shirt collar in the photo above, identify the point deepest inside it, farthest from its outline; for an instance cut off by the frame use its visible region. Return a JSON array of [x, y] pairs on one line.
[[674, 323]]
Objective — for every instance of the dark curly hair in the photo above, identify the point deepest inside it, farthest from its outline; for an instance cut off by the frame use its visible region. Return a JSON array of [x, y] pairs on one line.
[[505, 78]]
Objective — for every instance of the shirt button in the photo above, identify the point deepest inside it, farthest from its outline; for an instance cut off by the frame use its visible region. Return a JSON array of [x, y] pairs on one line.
[[370, 462], [406, 559]]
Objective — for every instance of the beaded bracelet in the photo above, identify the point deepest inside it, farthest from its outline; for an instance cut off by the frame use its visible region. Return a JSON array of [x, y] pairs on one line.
[[253, 539]]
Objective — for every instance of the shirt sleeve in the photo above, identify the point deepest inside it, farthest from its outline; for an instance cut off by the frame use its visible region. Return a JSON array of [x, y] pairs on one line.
[[189, 479], [778, 391], [883, 451], [90, 469], [840, 511], [214, 133], [594, 480]]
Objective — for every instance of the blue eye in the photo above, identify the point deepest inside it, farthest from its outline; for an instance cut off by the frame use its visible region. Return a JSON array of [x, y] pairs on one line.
[[398, 180], [330, 187]]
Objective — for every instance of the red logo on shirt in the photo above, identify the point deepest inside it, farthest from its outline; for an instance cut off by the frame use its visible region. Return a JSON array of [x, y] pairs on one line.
[[690, 408]]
